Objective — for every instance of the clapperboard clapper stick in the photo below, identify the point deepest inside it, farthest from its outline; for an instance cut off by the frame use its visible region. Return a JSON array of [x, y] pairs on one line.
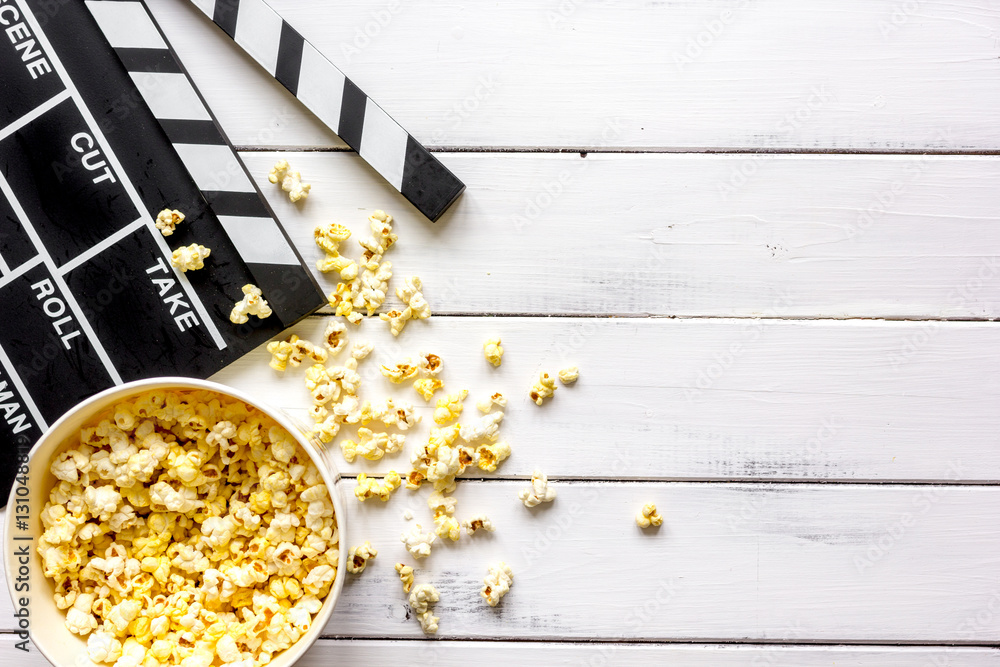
[[338, 102]]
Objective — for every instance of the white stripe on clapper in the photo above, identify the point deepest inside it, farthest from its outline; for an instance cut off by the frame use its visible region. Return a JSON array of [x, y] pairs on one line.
[[16, 381], [182, 280], [34, 113], [59, 282], [21, 270], [101, 246]]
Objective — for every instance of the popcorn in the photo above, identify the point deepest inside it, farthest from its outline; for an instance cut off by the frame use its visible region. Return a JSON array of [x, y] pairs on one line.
[[417, 542], [371, 446], [190, 257], [497, 583], [405, 575], [544, 388], [280, 352], [569, 375], [399, 373], [380, 240], [252, 303], [361, 350], [329, 238], [447, 526], [449, 407], [401, 415], [167, 221], [345, 298], [372, 487], [492, 350], [648, 516], [429, 364], [291, 181], [358, 557], [421, 598], [374, 283], [485, 428], [539, 491], [496, 399], [477, 523], [491, 456], [416, 306], [427, 386], [303, 349], [333, 337]]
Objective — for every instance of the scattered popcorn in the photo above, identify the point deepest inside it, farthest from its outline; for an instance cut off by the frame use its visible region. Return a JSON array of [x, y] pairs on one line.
[[329, 238], [496, 399], [358, 557], [281, 351], [478, 522], [544, 388], [427, 386], [449, 407], [407, 515], [372, 487], [253, 303], [190, 257], [405, 575], [569, 375], [648, 516], [429, 364], [486, 428], [361, 350], [492, 455], [497, 583], [399, 373], [333, 336], [372, 446], [167, 221], [428, 622], [290, 181], [421, 598], [447, 526], [417, 542], [344, 299], [539, 491], [303, 349], [191, 527], [416, 306], [493, 351]]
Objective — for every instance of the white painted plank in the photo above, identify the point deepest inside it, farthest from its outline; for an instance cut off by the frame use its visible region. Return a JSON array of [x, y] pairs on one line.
[[856, 74], [805, 236], [391, 653], [670, 399], [745, 562]]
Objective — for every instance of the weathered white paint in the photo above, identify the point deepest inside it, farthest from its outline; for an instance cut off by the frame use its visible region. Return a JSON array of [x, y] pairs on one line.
[[392, 653], [804, 236], [744, 562], [857, 74], [700, 398]]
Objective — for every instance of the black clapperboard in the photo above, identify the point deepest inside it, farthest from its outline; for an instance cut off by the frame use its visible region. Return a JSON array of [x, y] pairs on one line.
[[100, 129]]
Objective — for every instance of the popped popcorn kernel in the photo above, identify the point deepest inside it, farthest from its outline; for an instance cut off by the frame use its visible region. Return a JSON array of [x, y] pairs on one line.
[[497, 399], [544, 388], [167, 221], [405, 575], [416, 306], [190, 257], [428, 622], [360, 351], [429, 364], [372, 487], [290, 181], [427, 386], [334, 336], [449, 407], [492, 455], [329, 238], [648, 516], [569, 375], [421, 598], [372, 446], [280, 351], [477, 523], [539, 491], [399, 373], [253, 303], [417, 542], [497, 583], [358, 557], [492, 350]]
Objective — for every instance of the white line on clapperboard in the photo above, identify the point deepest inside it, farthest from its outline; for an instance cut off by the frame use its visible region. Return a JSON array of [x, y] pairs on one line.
[[126, 182], [21, 270], [42, 108], [58, 280], [4, 269], [101, 246], [16, 379]]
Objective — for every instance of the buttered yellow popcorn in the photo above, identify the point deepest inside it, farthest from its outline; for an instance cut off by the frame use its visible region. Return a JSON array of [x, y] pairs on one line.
[[372, 446], [358, 557], [416, 306], [449, 407], [569, 375], [427, 386], [399, 373], [167, 221], [648, 516], [493, 351], [544, 388], [538, 493], [405, 575], [497, 583], [190, 257], [328, 238], [372, 487], [492, 455], [281, 351], [304, 349], [253, 303], [290, 181], [345, 299]]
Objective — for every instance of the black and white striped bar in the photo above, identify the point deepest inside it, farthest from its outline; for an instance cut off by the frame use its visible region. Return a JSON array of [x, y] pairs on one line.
[[338, 102], [208, 157]]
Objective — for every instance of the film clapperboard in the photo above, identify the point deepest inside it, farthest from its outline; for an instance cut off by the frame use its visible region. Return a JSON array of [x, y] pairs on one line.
[[100, 129]]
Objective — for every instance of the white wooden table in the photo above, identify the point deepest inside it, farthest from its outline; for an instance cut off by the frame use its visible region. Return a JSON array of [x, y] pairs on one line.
[[768, 232]]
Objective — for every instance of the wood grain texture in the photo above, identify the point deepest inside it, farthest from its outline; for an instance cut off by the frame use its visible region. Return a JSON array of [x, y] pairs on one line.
[[859, 74], [699, 399], [743, 562], [803, 236], [390, 653]]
